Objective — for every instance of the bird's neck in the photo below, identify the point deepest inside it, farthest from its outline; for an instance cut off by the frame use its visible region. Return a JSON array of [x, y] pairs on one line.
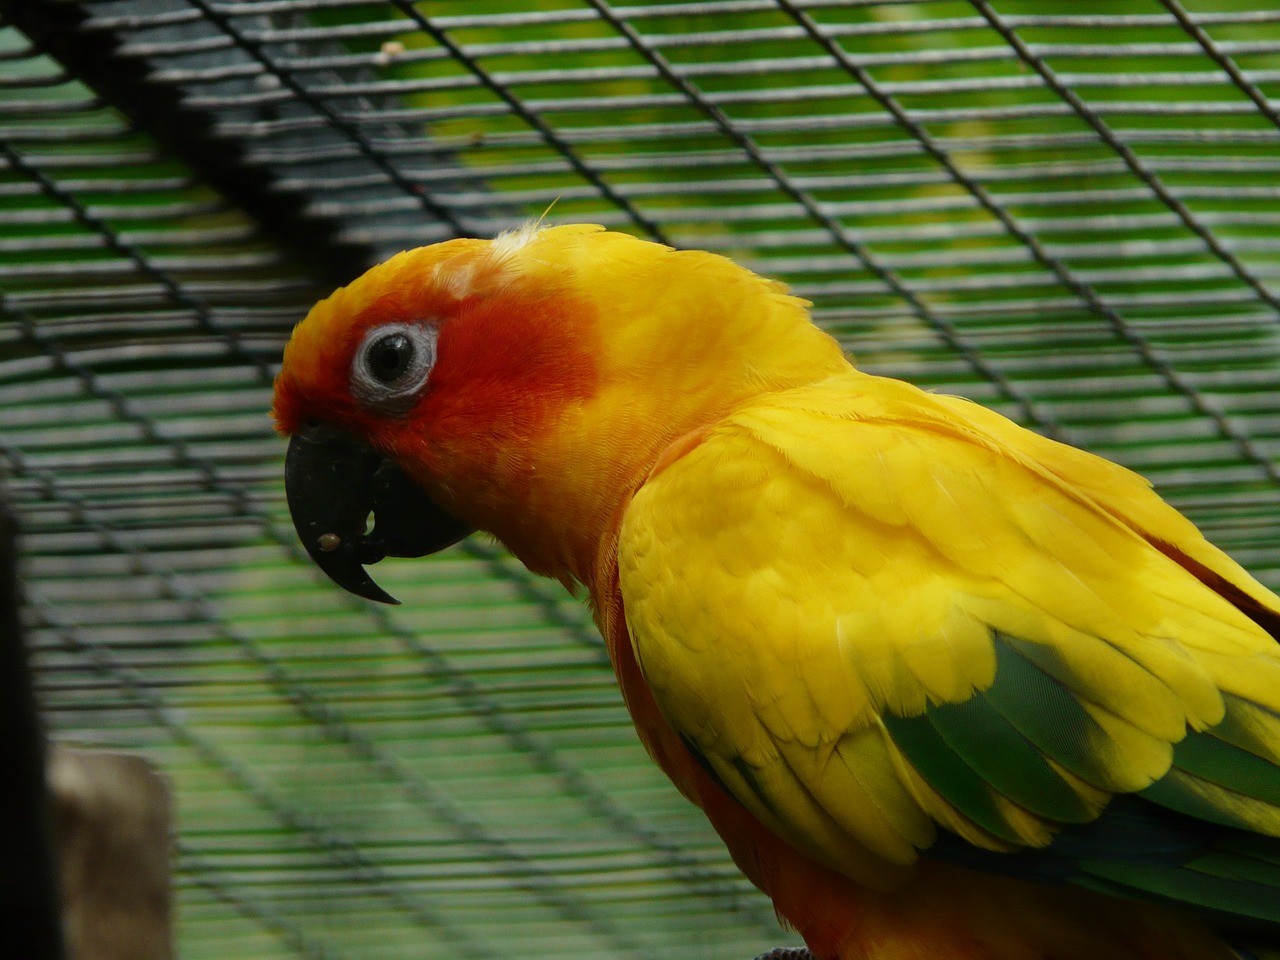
[[560, 504]]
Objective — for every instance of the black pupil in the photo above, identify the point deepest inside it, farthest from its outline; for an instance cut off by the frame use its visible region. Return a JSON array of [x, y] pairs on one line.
[[389, 358]]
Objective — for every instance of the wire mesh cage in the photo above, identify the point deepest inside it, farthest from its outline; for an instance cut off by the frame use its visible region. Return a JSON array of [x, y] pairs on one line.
[[1069, 216]]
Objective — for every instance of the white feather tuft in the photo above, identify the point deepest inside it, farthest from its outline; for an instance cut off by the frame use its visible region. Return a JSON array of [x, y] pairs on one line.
[[510, 242]]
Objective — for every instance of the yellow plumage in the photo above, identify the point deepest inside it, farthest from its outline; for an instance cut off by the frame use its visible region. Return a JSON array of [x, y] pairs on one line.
[[846, 551], [906, 655]]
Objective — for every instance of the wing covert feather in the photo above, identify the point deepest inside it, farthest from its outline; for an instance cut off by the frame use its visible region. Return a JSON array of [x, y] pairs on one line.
[[873, 611]]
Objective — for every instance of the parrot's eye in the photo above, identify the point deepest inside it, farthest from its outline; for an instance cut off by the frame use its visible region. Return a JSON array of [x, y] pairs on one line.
[[391, 365], [389, 357]]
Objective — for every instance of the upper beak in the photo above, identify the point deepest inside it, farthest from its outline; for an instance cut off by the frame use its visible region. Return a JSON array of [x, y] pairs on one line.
[[333, 482]]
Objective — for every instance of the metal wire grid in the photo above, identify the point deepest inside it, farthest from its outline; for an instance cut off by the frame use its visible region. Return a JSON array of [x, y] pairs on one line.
[[1071, 217], [1037, 208], [167, 619]]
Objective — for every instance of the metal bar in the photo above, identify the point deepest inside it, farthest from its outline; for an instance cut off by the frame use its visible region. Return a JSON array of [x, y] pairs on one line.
[[1131, 159], [64, 31], [818, 213], [679, 863], [28, 855], [336, 847], [531, 118], [1195, 28], [336, 121]]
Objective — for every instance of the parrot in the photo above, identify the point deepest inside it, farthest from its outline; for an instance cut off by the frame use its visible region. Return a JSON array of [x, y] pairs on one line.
[[946, 688]]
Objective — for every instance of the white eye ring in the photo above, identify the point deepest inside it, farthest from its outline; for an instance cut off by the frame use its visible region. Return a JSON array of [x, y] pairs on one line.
[[391, 365]]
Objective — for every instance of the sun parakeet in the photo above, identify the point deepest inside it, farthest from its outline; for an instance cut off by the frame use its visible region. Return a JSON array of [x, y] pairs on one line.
[[946, 688]]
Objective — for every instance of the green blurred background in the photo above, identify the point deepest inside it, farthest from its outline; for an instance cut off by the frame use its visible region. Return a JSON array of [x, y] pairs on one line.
[[1066, 211]]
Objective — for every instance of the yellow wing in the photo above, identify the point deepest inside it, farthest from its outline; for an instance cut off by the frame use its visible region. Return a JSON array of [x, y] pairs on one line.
[[872, 611]]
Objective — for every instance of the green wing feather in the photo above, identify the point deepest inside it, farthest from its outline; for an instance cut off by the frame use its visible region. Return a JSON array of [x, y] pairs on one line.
[[1000, 741]]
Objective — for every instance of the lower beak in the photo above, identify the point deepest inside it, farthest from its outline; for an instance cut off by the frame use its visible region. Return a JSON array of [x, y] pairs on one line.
[[333, 482]]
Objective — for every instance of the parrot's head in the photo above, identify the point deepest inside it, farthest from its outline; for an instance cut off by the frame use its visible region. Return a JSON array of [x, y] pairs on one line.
[[524, 385]]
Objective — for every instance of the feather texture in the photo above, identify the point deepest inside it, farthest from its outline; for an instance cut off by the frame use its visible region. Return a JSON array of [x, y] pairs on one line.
[[947, 690], [1004, 618]]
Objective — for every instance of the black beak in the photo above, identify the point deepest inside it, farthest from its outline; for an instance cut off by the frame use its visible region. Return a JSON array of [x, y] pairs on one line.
[[333, 482]]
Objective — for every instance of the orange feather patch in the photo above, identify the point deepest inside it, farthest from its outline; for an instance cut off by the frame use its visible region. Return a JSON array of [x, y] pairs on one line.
[[508, 365]]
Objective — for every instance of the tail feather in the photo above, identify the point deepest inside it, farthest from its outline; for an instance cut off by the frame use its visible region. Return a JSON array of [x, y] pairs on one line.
[[1140, 850]]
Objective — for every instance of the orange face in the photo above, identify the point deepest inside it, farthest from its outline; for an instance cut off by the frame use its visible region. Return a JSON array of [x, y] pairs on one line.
[[436, 348], [428, 381]]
